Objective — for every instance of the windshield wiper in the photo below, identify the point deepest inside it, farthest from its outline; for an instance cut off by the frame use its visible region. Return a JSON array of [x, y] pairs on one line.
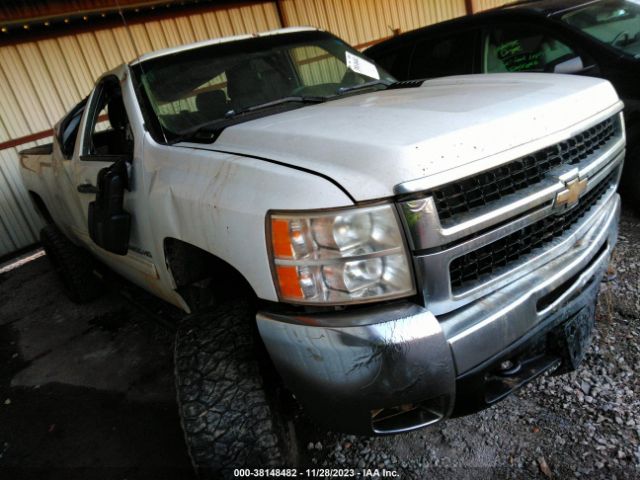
[[362, 86], [275, 103], [232, 116]]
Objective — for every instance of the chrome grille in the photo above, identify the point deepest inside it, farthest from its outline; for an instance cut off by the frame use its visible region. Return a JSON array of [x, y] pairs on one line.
[[479, 190], [472, 254], [500, 254]]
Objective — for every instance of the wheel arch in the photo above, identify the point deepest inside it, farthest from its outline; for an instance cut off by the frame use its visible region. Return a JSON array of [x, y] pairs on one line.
[[41, 207], [201, 277]]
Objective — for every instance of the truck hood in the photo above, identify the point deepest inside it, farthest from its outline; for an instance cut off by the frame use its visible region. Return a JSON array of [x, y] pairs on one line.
[[370, 143]]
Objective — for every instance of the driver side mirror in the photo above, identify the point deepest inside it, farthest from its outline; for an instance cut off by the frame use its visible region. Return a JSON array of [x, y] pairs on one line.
[[109, 222]]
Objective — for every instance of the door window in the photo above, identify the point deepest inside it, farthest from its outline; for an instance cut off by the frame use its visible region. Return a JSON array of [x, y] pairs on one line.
[[616, 23], [523, 49], [108, 131], [68, 129], [442, 56]]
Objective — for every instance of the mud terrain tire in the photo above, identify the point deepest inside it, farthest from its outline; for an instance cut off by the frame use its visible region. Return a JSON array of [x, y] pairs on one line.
[[227, 406], [73, 265]]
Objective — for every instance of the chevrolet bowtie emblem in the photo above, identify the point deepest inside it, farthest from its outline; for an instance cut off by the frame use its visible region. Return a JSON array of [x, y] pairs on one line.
[[569, 196]]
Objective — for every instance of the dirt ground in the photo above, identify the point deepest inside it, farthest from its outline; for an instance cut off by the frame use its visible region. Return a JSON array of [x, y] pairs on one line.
[[86, 392]]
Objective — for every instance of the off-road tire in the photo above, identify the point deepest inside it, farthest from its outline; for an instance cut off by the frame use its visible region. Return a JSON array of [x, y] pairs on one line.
[[230, 411], [73, 265]]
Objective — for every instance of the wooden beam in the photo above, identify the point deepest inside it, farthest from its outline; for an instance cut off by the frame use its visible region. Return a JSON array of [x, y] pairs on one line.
[[54, 27], [282, 15], [32, 137], [470, 6], [16, 142]]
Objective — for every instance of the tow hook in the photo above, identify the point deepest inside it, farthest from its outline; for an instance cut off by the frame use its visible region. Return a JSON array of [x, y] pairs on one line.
[[508, 368]]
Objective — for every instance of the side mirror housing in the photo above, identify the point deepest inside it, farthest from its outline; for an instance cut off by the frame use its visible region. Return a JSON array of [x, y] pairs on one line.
[[109, 222]]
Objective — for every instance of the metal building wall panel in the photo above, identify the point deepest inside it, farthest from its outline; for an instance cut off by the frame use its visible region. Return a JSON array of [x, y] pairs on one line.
[[24, 93], [12, 121], [41, 80], [62, 57], [479, 5], [361, 22], [19, 224], [92, 54]]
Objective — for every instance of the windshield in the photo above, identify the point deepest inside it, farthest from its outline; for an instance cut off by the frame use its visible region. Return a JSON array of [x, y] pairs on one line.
[[613, 22], [220, 84]]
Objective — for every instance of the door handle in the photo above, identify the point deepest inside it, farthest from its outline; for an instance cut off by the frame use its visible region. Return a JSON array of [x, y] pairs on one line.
[[87, 188]]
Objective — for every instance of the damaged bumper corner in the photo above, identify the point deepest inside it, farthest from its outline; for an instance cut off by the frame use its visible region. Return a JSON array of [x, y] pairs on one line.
[[394, 357], [396, 367]]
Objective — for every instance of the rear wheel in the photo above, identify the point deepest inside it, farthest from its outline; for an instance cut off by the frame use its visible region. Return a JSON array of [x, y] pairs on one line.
[[73, 265], [230, 411]]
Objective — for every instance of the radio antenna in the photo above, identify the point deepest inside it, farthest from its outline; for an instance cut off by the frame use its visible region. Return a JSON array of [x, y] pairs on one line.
[[138, 55]]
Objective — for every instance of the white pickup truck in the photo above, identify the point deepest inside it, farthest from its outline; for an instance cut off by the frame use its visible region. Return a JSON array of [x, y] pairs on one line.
[[384, 254]]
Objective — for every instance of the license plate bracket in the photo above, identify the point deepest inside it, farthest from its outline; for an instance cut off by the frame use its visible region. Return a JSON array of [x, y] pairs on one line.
[[574, 337]]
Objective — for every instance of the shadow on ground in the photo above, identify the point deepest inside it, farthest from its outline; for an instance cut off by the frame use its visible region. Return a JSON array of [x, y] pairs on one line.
[[85, 392]]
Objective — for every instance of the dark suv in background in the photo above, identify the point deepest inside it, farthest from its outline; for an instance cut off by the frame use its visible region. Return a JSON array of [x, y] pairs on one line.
[[598, 38]]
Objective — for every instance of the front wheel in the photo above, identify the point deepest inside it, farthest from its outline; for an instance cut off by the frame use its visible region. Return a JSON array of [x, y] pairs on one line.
[[227, 407]]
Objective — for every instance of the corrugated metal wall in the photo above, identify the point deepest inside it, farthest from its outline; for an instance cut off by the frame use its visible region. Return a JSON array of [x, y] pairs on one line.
[[362, 21], [41, 80], [479, 5]]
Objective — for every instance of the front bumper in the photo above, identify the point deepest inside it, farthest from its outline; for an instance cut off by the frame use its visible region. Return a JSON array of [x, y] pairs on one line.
[[396, 367]]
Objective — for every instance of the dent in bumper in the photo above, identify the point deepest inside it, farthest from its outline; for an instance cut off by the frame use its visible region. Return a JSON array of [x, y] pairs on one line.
[[341, 375]]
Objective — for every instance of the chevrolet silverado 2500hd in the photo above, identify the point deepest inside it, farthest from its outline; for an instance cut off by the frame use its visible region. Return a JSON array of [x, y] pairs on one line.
[[385, 254]]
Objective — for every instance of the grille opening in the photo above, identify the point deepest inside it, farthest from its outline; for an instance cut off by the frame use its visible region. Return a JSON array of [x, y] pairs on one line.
[[550, 298], [480, 263], [479, 190], [402, 418]]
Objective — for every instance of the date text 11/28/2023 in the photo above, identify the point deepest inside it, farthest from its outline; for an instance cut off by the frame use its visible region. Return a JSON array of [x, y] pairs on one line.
[[315, 473]]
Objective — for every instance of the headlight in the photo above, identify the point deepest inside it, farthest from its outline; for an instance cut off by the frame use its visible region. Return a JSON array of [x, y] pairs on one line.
[[345, 256]]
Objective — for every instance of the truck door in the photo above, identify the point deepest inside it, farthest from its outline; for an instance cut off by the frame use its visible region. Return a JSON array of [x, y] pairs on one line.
[[104, 170]]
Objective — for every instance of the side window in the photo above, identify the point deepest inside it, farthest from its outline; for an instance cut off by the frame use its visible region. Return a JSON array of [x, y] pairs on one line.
[[68, 129], [521, 48], [108, 129], [442, 56]]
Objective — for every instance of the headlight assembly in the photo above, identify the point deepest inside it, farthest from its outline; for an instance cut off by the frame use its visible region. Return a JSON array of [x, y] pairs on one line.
[[338, 257]]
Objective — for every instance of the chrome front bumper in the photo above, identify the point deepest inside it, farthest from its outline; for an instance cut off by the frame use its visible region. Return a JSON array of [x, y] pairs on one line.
[[345, 367]]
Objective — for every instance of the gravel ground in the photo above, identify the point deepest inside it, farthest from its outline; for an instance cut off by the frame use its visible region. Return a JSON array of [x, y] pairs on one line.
[[93, 397], [585, 424]]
